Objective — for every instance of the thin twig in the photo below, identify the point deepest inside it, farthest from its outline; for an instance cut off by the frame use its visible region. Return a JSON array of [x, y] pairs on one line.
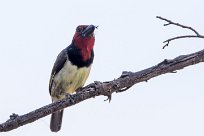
[[180, 37], [177, 24], [169, 22]]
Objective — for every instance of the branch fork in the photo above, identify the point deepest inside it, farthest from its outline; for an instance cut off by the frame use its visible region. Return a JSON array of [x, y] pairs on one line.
[[169, 22]]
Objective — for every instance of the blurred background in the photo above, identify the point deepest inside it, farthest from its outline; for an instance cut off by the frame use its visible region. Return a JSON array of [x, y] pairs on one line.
[[129, 38]]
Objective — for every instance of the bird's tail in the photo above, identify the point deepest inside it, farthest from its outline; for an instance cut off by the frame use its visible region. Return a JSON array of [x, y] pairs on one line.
[[56, 121]]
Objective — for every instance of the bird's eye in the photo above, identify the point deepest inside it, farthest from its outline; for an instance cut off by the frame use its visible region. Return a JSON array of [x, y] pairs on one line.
[[79, 29]]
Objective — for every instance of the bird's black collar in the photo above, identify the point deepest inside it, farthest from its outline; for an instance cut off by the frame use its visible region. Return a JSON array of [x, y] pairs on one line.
[[75, 57]]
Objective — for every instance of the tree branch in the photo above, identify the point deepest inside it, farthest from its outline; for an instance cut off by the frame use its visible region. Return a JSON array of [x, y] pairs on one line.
[[169, 22], [125, 81], [121, 84]]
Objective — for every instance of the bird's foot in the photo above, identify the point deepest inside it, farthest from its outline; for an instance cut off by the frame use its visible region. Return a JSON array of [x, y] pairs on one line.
[[70, 97]]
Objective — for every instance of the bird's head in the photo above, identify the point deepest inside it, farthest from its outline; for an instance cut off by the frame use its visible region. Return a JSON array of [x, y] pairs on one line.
[[84, 40]]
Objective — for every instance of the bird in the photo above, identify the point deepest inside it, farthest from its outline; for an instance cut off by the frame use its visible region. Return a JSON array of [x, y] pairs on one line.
[[71, 69]]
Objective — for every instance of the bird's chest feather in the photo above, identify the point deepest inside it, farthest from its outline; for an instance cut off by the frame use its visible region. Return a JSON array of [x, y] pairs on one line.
[[70, 78]]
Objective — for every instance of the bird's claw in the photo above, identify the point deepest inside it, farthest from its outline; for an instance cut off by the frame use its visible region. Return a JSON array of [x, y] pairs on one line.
[[70, 97]]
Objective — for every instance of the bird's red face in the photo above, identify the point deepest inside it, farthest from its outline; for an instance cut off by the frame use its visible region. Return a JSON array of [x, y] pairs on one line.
[[84, 40]]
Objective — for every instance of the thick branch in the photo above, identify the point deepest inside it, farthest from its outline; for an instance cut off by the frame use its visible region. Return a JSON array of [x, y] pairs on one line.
[[125, 81], [169, 22]]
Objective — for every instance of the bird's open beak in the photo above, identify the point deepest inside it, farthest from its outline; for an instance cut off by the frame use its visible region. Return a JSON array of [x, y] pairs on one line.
[[88, 31]]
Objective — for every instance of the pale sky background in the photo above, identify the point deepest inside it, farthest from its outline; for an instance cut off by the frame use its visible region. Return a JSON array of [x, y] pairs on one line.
[[32, 33]]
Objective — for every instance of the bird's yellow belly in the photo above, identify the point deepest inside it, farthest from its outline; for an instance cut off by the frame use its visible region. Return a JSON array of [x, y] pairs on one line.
[[69, 79]]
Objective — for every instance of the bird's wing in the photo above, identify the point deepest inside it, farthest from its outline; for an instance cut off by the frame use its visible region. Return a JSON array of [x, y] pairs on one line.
[[58, 65]]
